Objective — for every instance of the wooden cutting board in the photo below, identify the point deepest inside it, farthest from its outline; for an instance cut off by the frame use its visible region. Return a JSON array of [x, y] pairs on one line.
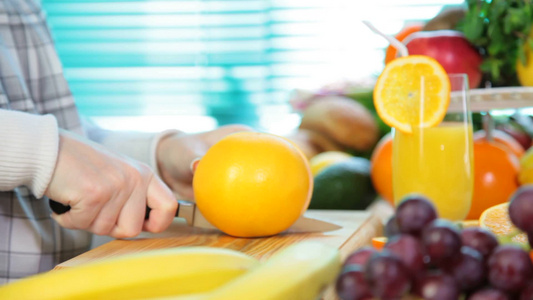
[[358, 228]]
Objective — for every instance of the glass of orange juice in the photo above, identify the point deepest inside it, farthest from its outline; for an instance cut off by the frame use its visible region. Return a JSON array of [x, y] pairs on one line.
[[437, 162]]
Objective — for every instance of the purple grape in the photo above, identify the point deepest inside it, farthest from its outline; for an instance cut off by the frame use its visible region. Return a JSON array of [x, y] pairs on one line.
[[489, 293], [351, 284], [391, 227], [527, 292], [387, 276], [510, 268], [360, 256], [521, 208], [413, 214], [468, 269], [442, 241], [409, 249], [480, 239], [436, 286]]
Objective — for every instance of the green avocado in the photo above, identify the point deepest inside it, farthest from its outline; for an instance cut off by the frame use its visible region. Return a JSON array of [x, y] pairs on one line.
[[344, 185]]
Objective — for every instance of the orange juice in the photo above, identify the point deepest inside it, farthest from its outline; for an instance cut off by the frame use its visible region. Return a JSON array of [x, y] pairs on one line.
[[436, 162]]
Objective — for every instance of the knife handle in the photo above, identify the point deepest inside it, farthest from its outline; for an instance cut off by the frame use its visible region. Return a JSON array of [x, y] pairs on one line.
[[60, 208], [180, 204]]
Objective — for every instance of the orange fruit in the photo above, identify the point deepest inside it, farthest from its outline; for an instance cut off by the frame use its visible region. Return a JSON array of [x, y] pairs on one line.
[[496, 219], [503, 139], [495, 176], [379, 242], [390, 52], [399, 89], [381, 168], [252, 184]]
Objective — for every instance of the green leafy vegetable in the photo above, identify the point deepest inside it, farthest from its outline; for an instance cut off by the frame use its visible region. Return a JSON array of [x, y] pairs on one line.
[[500, 29]]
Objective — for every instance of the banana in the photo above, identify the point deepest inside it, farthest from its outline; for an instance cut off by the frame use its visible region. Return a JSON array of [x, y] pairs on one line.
[[154, 273], [299, 272]]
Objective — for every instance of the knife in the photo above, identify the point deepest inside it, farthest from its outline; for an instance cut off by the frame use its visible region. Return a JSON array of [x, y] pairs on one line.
[[187, 210]]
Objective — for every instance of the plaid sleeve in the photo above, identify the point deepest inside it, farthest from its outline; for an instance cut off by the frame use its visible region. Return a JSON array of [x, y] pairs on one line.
[[31, 80]]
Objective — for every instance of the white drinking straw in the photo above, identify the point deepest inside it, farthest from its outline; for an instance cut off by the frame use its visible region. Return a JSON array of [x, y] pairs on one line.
[[394, 42]]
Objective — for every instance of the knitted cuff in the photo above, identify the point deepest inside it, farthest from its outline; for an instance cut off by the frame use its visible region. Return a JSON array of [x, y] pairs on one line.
[[29, 150]]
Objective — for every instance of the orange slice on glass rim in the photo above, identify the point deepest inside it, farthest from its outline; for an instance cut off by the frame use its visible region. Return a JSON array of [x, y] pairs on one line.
[[401, 86]]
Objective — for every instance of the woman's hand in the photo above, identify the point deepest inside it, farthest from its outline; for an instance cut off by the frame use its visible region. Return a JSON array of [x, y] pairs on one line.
[[107, 193], [176, 153]]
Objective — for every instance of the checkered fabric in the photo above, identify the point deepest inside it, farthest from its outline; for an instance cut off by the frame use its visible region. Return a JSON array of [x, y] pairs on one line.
[[31, 80]]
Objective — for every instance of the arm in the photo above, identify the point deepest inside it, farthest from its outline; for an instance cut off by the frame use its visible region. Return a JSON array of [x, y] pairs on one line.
[[108, 193], [140, 146]]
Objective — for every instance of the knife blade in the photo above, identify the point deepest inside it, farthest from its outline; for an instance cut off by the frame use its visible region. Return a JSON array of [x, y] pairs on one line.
[[187, 210]]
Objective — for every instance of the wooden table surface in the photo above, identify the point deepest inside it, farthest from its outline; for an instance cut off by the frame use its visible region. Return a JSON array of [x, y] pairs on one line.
[[358, 228]]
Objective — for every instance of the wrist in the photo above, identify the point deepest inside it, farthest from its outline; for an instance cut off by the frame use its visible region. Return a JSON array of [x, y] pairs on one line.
[[163, 149]]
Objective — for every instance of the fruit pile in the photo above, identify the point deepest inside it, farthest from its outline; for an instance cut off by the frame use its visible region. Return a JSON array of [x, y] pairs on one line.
[[432, 258]]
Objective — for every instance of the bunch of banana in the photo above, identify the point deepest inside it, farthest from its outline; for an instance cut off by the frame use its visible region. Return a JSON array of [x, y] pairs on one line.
[[155, 273], [299, 272]]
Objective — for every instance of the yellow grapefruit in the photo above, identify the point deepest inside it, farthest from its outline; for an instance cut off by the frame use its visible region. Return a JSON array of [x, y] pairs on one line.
[[253, 184]]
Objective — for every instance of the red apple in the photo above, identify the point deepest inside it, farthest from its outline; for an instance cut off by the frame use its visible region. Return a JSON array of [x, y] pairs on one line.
[[451, 49]]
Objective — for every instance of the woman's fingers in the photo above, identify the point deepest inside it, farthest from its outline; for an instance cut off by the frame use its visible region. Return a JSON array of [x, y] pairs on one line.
[[163, 206]]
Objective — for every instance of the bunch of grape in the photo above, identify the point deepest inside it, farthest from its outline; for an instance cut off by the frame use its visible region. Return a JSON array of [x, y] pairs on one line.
[[432, 258]]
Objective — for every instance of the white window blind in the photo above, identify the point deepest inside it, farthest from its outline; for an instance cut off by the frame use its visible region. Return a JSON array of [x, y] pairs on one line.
[[230, 61]]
